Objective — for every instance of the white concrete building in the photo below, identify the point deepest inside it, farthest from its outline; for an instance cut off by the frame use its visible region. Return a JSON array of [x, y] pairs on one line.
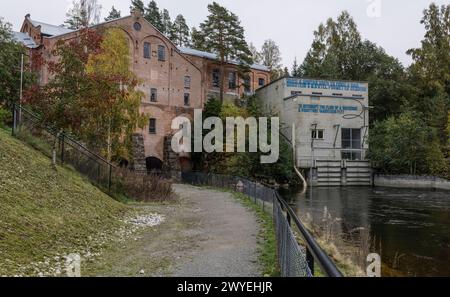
[[331, 120]]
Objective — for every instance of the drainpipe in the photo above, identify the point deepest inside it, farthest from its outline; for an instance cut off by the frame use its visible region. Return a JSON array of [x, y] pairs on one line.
[[294, 153]]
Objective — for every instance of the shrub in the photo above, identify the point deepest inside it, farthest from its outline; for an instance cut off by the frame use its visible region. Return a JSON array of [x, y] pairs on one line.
[[5, 117]]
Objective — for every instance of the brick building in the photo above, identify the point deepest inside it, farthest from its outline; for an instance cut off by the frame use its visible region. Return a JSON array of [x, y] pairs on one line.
[[175, 80]]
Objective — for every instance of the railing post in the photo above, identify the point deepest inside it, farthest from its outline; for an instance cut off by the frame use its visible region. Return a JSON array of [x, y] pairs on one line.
[[310, 261], [109, 178], [13, 131], [62, 148]]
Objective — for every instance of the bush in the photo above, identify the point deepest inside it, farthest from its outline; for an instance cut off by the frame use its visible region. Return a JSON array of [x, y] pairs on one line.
[[406, 145], [5, 117]]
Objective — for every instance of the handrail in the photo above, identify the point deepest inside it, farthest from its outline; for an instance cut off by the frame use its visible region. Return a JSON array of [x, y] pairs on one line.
[[314, 252], [322, 258], [53, 130]]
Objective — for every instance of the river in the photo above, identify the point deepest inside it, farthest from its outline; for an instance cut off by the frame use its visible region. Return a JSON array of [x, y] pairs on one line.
[[409, 228]]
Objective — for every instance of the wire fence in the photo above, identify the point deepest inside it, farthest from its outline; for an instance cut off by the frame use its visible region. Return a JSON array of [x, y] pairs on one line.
[[65, 149], [294, 259]]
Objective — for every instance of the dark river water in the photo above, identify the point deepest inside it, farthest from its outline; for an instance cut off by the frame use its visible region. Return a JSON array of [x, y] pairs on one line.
[[409, 228]]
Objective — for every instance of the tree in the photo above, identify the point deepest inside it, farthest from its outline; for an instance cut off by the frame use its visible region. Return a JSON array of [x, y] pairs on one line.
[[83, 14], [139, 5], [197, 40], [224, 35], [296, 71], [166, 23], [256, 55], [180, 31], [153, 16], [430, 70], [118, 115], [10, 61], [113, 14], [339, 52], [271, 57], [432, 60], [92, 93], [405, 144]]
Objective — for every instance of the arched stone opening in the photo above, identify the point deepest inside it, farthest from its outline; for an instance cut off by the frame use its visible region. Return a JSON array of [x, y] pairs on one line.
[[153, 164]]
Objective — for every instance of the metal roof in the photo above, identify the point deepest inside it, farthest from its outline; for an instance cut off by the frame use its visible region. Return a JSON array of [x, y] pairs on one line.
[[24, 39], [51, 30], [212, 56]]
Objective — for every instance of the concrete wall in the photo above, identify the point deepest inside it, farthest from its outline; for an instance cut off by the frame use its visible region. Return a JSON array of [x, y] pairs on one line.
[[279, 99], [411, 181]]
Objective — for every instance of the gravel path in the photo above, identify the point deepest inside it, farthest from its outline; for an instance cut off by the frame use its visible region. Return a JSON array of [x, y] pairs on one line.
[[203, 233], [226, 236]]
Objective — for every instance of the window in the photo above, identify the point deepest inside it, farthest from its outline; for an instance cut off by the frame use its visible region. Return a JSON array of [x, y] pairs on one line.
[[187, 99], [147, 50], [137, 26], [153, 95], [152, 126], [262, 82], [232, 80], [161, 53], [247, 85], [317, 134], [187, 82], [216, 78], [351, 140]]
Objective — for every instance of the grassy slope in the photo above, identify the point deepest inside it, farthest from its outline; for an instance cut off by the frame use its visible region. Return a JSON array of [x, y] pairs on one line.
[[43, 212]]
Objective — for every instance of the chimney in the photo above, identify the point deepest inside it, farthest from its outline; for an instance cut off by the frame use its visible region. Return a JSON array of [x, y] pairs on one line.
[[136, 13]]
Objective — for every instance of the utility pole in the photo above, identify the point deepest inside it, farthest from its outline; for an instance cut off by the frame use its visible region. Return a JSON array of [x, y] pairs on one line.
[[21, 89]]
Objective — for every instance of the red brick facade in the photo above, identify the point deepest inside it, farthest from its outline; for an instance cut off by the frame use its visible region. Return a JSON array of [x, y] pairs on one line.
[[179, 82]]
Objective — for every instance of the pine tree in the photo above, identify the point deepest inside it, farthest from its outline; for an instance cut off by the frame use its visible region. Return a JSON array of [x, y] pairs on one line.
[[295, 69], [166, 22], [224, 35], [180, 31], [113, 14], [197, 40], [83, 13], [153, 15], [137, 4]]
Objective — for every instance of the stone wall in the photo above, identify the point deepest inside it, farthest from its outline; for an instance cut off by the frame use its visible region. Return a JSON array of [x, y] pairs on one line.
[[139, 162], [411, 181]]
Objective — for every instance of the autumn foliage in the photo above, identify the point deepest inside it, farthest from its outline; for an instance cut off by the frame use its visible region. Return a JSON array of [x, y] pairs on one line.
[[92, 93]]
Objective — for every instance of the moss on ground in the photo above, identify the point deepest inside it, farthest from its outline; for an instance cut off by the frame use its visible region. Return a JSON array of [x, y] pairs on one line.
[[46, 213]]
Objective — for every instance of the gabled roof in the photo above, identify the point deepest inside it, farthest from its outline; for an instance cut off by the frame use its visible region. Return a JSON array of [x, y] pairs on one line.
[[212, 56], [51, 30], [24, 39]]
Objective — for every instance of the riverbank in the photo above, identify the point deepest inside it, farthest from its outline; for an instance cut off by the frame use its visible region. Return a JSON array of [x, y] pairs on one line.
[[411, 182]]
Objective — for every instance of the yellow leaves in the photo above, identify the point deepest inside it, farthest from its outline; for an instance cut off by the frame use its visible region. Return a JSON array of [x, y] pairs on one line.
[[114, 57]]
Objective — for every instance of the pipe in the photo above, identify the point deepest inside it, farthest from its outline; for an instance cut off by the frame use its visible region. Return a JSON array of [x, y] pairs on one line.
[[294, 154]]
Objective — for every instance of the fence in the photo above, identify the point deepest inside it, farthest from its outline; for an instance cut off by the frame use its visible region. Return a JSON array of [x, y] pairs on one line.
[[294, 260], [115, 180]]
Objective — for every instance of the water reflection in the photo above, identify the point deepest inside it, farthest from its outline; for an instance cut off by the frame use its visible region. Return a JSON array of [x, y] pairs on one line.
[[411, 228]]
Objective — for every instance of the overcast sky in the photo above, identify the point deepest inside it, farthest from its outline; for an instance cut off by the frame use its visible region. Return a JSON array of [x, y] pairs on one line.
[[394, 25]]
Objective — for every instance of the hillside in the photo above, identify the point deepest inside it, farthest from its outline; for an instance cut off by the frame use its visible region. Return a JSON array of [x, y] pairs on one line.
[[47, 214]]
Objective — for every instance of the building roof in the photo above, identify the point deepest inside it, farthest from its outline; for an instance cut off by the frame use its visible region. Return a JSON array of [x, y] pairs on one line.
[[51, 30], [24, 39], [212, 56]]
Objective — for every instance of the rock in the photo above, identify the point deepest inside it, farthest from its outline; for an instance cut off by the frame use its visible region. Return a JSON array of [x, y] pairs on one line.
[[142, 271]]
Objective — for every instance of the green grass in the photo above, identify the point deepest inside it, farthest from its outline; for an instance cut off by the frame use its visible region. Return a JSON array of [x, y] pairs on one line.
[[268, 245], [44, 212]]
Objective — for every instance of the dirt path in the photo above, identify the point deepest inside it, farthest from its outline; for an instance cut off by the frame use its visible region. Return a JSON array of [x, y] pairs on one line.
[[206, 233]]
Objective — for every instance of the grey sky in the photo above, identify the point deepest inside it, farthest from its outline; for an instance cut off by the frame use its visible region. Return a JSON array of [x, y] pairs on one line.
[[290, 23]]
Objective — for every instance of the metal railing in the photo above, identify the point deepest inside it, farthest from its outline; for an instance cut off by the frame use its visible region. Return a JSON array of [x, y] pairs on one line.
[[294, 259], [29, 127]]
